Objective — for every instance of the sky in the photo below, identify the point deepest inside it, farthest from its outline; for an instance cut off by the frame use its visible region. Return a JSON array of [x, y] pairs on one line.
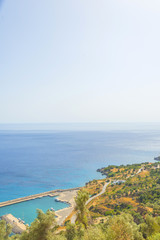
[[79, 61]]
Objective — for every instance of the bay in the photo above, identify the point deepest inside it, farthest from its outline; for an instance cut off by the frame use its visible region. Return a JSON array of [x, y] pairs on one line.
[[37, 161]]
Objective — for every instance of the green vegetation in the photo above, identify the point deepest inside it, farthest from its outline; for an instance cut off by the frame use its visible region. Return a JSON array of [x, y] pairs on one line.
[[134, 189], [81, 199], [120, 227], [5, 230], [128, 210], [42, 228]]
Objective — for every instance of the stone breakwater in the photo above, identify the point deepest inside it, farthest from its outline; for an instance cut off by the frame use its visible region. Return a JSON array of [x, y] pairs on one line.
[[39, 195], [66, 195]]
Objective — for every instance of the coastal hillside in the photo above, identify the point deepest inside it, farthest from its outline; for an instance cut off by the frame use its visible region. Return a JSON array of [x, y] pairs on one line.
[[133, 189], [125, 205]]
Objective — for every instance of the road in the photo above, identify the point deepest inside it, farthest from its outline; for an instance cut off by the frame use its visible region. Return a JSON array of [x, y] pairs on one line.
[[103, 191], [73, 219]]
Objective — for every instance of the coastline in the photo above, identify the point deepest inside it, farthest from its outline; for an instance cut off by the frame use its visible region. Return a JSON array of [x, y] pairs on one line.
[[62, 195], [10, 187], [67, 197], [51, 193]]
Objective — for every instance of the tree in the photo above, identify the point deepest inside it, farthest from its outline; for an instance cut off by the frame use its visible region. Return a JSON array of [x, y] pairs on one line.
[[122, 227], [80, 231], [80, 201], [70, 231], [154, 237], [5, 230], [94, 233], [150, 227], [42, 228]]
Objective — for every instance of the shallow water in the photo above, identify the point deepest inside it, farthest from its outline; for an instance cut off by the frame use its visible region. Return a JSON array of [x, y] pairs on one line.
[[38, 161], [32, 163], [27, 210]]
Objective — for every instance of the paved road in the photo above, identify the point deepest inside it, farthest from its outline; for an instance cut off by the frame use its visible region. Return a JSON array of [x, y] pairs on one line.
[[73, 219], [103, 191]]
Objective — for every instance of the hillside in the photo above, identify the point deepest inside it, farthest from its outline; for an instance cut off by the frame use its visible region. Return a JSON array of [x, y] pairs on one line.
[[125, 205], [133, 189]]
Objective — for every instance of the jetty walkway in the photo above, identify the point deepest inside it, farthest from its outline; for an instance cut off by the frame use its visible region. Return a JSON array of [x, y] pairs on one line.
[[39, 195]]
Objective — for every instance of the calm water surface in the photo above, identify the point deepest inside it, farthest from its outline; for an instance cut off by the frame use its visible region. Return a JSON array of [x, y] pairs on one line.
[[27, 210], [36, 161]]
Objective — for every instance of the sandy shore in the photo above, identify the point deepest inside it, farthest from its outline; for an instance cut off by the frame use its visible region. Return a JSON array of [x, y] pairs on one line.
[[68, 197]]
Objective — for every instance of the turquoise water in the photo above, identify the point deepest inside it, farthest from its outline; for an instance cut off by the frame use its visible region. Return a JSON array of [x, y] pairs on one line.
[[27, 210], [35, 161]]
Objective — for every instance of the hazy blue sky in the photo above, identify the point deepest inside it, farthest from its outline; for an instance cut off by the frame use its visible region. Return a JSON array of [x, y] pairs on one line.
[[79, 61]]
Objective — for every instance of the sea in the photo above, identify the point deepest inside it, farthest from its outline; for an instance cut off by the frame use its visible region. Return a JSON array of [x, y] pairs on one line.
[[36, 158]]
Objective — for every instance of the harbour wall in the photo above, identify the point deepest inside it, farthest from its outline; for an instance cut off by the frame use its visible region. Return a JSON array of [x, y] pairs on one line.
[[39, 195]]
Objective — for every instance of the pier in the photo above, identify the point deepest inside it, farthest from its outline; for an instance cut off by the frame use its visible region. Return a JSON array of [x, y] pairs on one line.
[[17, 226], [39, 195], [64, 195]]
